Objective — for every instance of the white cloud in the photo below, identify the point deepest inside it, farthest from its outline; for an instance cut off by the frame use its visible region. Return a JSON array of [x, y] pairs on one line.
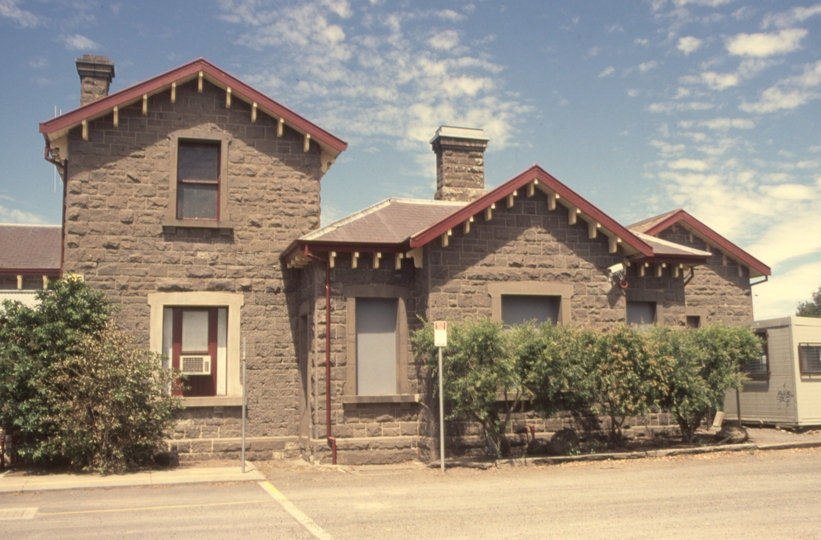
[[641, 41], [786, 19], [789, 93], [80, 43], [377, 79], [12, 215], [723, 124], [667, 107], [444, 40], [609, 70], [689, 164], [689, 44], [719, 81], [764, 45], [644, 67], [708, 3], [783, 292], [10, 10]]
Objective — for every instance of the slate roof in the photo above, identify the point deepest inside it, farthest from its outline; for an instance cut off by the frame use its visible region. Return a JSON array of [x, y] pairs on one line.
[[30, 247]]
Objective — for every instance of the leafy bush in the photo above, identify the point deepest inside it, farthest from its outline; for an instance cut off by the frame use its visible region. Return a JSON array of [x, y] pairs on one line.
[[626, 379], [707, 362], [554, 362], [73, 387], [478, 368]]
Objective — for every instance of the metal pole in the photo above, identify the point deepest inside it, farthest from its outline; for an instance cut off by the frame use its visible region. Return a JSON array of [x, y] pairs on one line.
[[243, 404], [441, 415]]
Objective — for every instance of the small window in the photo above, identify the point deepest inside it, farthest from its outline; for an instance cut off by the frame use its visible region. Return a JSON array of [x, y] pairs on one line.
[[759, 368], [196, 339], [198, 179], [641, 313], [693, 321], [519, 309], [809, 358], [376, 346]]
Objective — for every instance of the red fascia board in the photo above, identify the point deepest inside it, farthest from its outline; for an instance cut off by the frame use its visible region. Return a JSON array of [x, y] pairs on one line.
[[535, 172], [135, 92], [343, 247], [715, 238]]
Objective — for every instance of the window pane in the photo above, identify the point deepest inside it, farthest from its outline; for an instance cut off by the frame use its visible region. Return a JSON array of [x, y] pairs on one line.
[[376, 346], [641, 312], [518, 309], [194, 331], [198, 161], [197, 201], [758, 365], [810, 358]]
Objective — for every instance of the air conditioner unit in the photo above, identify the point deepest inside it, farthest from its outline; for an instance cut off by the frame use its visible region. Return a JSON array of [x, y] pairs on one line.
[[195, 365]]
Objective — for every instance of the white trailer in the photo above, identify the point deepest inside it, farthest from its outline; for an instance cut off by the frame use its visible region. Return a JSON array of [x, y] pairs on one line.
[[785, 383]]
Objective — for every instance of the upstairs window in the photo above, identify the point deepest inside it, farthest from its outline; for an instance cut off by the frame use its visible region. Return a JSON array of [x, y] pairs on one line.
[[809, 358], [759, 368], [520, 308], [198, 180]]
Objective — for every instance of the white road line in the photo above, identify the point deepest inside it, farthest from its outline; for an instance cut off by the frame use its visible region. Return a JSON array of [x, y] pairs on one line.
[[295, 512]]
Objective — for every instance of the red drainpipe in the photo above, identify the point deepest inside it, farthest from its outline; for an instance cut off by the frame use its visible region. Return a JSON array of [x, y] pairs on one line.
[[328, 435]]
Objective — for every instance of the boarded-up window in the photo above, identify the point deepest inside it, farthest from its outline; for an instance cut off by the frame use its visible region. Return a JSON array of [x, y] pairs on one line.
[[809, 358], [759, 368], [641, 313], [518, 309], [376, 346]]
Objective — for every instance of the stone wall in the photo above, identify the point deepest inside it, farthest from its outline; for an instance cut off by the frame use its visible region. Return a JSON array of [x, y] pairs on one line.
[[117, 195], [720, 291]]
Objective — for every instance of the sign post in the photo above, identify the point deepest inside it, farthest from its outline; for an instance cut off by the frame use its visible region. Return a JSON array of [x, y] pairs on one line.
[[440, 339]]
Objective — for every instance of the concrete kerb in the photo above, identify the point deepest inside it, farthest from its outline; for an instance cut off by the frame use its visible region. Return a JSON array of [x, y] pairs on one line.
[[555, 460], [192, 475]]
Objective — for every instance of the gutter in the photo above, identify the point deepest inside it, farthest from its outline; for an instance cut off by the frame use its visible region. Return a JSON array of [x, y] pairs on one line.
[[328, 434]]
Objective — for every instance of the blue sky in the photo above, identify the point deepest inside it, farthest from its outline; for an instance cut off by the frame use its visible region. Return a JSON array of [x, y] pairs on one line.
[[639, 106]]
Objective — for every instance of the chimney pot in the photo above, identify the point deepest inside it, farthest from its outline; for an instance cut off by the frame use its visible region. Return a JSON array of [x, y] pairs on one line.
[[96, 73], [460, 163]]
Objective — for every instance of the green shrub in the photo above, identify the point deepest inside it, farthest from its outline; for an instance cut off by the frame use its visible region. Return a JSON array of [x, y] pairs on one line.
[[626, 379], [554, 363], [707, 362], [73, 387], [478, 370]]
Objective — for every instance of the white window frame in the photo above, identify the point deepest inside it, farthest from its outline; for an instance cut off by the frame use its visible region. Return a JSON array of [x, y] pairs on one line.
[[158, 302]]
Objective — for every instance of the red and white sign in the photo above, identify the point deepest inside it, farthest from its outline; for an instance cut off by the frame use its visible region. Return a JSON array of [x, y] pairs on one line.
[[440, 333]]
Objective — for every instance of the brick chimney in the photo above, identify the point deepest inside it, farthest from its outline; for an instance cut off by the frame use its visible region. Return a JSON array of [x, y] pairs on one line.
[[460, 163], [96, 73]]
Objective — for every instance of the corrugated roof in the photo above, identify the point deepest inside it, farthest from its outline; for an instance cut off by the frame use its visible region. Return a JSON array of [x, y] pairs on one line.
[[391, 221], [30, 247]]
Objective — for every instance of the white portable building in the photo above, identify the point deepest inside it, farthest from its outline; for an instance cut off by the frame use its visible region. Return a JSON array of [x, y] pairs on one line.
[[785, 383]]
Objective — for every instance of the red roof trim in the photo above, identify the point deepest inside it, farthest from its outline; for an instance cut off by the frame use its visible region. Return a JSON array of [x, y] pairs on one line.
[[535, 172], [708, 233], [101, 106]]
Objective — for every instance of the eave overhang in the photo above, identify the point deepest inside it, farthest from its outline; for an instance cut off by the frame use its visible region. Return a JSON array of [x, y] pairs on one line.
[[696, 227], [58, 127]]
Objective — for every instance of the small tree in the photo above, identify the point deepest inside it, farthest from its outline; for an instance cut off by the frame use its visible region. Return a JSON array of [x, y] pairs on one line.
[[810, 308], [555, 361], [625, 379], [73, 387], [478, 369]]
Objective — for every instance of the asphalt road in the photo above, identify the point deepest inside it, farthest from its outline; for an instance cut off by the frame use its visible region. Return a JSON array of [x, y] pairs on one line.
[[741, 495]]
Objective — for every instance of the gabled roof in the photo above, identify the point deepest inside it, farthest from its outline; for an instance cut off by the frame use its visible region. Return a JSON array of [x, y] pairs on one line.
[[402, 225], [30, 248], [655, 225], [58, 127]]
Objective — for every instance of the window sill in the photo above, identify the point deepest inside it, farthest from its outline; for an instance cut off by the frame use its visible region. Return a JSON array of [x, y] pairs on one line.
[[172, 224], [390, 398], [212, 401]]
